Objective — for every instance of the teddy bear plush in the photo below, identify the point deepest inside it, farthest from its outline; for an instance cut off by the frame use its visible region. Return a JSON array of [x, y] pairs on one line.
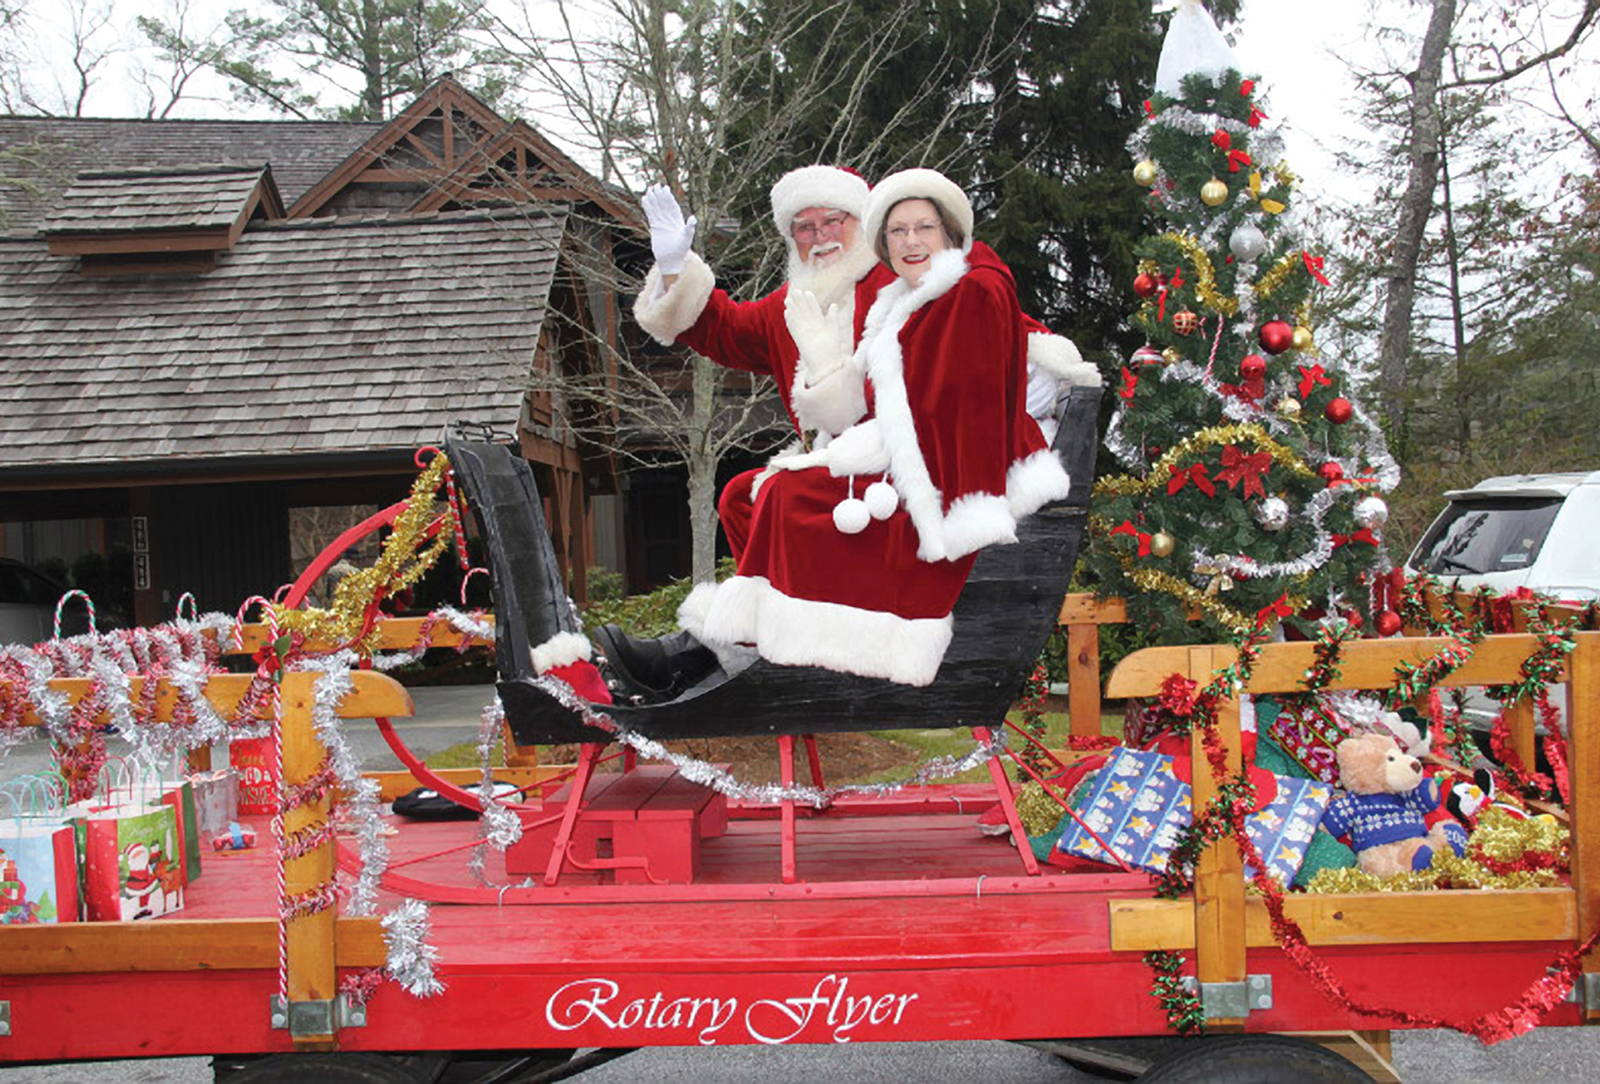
[[1383, 807]]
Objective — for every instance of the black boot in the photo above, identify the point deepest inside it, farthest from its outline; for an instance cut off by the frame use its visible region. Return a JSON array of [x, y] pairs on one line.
[[659, 669]]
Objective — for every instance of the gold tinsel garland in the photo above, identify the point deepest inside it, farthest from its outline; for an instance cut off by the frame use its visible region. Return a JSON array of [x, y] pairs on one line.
[[341, 621], [1124, 485], [1038, 812], [1268, 284], [1205, 276], [1499, 836]]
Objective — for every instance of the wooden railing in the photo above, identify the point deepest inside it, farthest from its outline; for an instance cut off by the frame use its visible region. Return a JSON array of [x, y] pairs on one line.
[[1219, 923]]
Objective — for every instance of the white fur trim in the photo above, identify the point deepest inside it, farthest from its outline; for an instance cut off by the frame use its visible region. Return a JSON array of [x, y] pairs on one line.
[[559, 650], [1034, 482], [802, 632], [918, 184], [668, 313], [858, 450], [1057, 355], [975, 521], [816, 186]]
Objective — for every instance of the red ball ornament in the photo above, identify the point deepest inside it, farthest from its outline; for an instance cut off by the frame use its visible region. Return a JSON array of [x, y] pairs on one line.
[[1276, 336], [1387, 623], [1331, 472], [1338, 410], [1253, 367], [1184, 322], [1146, 355], [1145, 284]]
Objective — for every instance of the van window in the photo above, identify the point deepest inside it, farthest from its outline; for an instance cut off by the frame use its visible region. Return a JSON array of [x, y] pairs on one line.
[[1502, 534]]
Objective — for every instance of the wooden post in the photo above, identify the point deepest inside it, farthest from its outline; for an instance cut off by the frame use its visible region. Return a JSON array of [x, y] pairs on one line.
[[1583, 762], [312, 975], [1083, 680], [1219, 935]]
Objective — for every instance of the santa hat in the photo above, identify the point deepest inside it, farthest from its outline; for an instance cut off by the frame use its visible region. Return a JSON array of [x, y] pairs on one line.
[[817, 186], [927, 184]]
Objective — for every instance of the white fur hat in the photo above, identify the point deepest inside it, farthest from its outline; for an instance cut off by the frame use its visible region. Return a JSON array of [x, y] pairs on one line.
[[927, 184], [817, 186]]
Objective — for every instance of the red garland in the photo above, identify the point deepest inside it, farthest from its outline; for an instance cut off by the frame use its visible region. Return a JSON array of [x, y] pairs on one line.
[[1177, 695]]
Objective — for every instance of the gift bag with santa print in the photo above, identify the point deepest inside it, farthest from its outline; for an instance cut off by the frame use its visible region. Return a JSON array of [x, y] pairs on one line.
[[132, 864], [38, 863]]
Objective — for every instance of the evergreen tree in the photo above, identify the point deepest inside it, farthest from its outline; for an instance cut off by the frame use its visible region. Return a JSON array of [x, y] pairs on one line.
[[1250, 476]]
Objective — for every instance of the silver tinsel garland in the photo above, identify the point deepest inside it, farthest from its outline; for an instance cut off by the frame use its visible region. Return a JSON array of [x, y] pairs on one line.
[[410, 957], [499, 827], [709, 775]]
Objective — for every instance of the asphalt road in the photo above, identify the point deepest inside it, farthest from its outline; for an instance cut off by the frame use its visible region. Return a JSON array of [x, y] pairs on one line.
[[448, 716]]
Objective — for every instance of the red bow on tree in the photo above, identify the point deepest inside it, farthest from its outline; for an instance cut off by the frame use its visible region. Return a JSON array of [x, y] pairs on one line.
[[1238, 467], [1130, 381], [1247, 87], [1256, 117], [1311, 376], [1250, 391], [1149, 110], [1363, 535], [1314, 266], [1221, 139], [1196, 474], [1171, 284], [1237, 159], [1275, 609], [1129, 529]]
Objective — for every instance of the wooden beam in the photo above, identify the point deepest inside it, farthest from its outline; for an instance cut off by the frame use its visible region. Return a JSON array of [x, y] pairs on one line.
[[83, 244], [1365, 664], [173, 944], [1364, 918], [1083, 680], [424, 150], [1082, 608], [373, 696], [312, 967], [390, 634]]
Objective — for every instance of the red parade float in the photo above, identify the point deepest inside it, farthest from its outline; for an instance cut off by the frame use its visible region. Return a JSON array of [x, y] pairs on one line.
[[616, 909]]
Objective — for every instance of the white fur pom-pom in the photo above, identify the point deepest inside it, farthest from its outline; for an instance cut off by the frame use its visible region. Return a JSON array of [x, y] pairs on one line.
[[881, 500], [851, 516]]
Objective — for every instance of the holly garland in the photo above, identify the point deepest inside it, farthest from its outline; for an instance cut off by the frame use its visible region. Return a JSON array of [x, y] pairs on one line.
[[1178, 999], [1034, 691]]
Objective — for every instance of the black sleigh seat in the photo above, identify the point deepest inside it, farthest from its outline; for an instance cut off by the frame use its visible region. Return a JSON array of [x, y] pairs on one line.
[[1006, 611]]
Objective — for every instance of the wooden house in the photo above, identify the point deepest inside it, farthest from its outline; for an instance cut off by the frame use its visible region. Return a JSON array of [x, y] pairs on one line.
[[206, 325]]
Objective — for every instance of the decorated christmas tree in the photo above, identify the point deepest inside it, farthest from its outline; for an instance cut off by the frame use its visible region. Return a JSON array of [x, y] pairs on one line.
[[1248, 477]]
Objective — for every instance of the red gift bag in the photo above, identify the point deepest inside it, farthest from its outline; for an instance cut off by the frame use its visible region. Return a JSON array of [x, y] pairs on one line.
[[133, 867]]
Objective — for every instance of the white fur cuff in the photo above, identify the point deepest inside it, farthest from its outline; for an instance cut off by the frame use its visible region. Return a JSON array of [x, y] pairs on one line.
[[1034, 482], [858, 450], [668, 313], [560, 650], [1057, 355], [833, 403]]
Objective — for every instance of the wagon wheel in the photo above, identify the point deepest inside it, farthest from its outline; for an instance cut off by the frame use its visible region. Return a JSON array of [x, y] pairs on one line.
[[297, 595], [1255, 1059], [327, 1068]]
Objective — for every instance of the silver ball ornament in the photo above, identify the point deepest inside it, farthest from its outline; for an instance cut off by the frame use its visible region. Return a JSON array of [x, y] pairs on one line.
[[1247, 242], [1272, 513], [1371, 512]]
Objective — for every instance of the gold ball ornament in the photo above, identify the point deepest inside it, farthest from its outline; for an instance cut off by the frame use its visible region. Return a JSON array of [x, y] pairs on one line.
[[1289, 407], [1213, 193], [1145, 173], [1172, 355], [1162, 544], [1301, 339]]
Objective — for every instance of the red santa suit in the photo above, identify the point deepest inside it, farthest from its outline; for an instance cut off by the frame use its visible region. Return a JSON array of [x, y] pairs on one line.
[[949, 430]]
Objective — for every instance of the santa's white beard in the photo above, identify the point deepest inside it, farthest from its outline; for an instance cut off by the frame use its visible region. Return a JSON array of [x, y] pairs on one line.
[[833, 283]]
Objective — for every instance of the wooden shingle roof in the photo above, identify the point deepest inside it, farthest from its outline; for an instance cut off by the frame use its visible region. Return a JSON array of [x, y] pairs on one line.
[[175, 198], [44, 154], [312, 337]]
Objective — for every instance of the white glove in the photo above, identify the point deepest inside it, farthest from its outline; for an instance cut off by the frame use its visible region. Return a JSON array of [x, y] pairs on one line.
[[670, 235], [822, 338]]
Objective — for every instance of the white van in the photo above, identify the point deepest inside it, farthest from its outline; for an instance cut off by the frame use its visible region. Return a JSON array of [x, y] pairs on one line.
[[1540, 531]]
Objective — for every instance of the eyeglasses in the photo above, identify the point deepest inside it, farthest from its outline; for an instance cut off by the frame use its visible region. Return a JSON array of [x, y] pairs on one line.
[[809, 231], [901, 234]]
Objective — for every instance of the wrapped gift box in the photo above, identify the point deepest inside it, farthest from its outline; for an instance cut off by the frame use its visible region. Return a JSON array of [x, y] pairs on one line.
[[1310, 735], [1140, 806]]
